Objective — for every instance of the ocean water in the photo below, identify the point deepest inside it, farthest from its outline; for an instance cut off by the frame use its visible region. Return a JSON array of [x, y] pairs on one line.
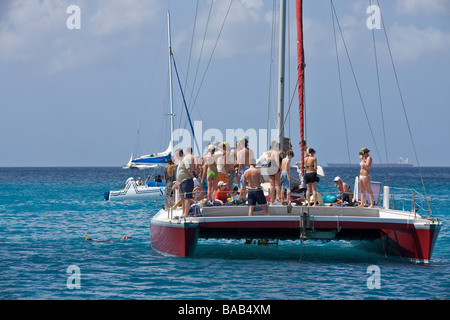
[[45, 214]]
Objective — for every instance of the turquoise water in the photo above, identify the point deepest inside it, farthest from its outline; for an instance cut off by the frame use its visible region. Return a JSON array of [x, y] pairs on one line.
[[46, 212]]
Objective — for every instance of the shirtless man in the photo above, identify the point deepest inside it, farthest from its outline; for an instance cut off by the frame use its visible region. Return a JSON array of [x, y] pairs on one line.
[[364, 177], [243, 162], [252, 178], [285, 175]]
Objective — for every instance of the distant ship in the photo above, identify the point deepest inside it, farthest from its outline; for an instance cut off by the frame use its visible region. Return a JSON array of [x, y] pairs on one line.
[[401, 163]]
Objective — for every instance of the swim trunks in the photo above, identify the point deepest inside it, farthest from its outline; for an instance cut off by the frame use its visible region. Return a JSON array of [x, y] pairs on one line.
[[255, 196], [311, 177], [284, 181], [186, 187], [212, 174]]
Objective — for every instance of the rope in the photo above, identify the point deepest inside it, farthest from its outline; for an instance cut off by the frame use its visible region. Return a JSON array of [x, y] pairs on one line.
[[340, 86], [404, 109], [356, 82], [272, 46], [214, 49], [192, 42], [386, 172], [185, 106]]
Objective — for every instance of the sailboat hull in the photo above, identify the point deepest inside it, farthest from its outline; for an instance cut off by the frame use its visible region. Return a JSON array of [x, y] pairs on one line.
[[402, 233]]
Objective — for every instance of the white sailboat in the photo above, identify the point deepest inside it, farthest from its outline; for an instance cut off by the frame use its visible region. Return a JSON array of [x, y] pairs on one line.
[[149, 190]]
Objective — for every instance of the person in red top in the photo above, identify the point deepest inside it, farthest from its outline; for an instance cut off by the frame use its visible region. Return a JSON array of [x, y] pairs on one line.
[[222, 194]]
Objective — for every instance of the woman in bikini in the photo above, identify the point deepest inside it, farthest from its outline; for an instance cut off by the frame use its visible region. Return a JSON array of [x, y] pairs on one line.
[[311, 177], [275, 158], [364, 177], [211, 172]]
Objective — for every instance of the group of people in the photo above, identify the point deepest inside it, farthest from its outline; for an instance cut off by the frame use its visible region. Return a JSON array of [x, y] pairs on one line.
[[222, 165], [345, 192]]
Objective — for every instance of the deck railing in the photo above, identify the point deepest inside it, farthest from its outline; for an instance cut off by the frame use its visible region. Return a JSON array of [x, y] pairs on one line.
[[407, 199]]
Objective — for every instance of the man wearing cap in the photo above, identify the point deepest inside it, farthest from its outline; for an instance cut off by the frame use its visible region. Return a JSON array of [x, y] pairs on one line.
[[345, 192]]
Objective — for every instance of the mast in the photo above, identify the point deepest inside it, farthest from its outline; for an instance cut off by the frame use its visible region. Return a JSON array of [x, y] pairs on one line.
[[301, 78], [170, 82], [281, 64]]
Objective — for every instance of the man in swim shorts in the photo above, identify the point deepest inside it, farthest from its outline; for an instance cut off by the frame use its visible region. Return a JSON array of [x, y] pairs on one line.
[[252, 178], [285, 175], [184, 178]]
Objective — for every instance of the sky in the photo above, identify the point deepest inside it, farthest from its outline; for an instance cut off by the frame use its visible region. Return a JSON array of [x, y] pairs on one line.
[[90, 87]]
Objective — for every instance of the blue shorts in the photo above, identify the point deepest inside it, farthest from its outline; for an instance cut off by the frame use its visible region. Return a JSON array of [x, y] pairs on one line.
[[284, 181], [186, 187], [255, 196]]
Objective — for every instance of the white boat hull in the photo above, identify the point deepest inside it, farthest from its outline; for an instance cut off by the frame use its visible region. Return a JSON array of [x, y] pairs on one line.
[[131, 191]]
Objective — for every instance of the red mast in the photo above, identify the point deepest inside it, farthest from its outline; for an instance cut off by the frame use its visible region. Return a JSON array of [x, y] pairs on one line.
[[301, 77]]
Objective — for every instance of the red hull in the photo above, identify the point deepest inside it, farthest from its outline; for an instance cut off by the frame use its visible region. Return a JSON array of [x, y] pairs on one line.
[[416, 244], [179, 240]]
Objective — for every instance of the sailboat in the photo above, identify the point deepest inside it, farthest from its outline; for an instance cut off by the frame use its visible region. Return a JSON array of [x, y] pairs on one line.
[[149, 190], [404, 233]]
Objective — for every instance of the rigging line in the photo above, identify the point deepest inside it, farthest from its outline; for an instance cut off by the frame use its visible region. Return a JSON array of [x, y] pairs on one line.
[[212, 53], [201, 51], [290, 105], [271, 69], [404, 109], [356, 81], [185, 106], [386, 172], [340, 87], [199, 60], [200, 114], [192, 42], [289, 59]]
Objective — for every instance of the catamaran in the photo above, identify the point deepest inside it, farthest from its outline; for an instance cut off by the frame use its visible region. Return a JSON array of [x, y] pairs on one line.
[[405, 233]]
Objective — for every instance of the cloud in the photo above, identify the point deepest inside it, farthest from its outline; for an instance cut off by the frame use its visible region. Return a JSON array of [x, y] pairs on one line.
[[246, 29], [411, 44], [421, 7], [34, 32]]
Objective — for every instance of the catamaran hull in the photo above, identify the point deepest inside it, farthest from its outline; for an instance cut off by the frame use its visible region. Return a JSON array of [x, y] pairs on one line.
[[178, 239], [417, 244], [401, 236]]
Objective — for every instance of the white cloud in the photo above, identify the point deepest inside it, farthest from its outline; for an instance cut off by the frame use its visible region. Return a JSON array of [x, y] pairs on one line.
[[410, 44], [245, 30], [421, 7], [34, 32]]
